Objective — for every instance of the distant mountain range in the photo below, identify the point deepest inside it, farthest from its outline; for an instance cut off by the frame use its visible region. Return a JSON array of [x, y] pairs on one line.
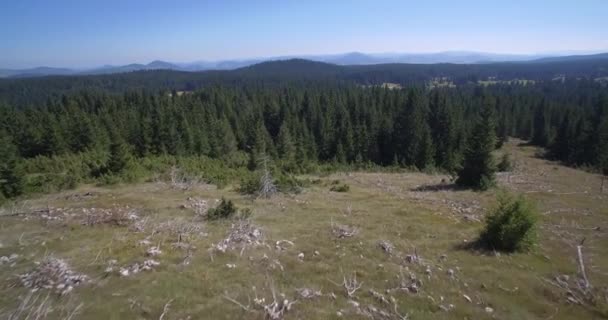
[[352, 58], [159, 76]]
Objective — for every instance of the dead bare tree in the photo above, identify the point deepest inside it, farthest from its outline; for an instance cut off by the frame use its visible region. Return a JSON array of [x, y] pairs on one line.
[[267, 186], [182, 181]]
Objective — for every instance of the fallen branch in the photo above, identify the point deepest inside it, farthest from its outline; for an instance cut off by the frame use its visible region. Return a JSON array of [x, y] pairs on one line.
[[165, 309], [579, 250], [246, 308], [274, 310], [343, 231], [351, 285]]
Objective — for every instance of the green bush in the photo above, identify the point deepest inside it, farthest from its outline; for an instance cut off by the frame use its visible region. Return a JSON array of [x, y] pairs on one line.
[[340, 188], [109, 179], [225, 210], [244, 214], [505, 163], [287, 183], [511, 226], [45, 183], [250, 184], [486, 183]]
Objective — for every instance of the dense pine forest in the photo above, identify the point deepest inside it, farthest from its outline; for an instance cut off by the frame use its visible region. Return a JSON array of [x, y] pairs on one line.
[[222, 131]]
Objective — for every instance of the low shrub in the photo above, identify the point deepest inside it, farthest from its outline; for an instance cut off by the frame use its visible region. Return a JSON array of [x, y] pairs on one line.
[[486, 183], [340, 188], [46, 183], [244, 214], [225, 210], [287, 183], [250, 184], [511, 226], [505, 163]]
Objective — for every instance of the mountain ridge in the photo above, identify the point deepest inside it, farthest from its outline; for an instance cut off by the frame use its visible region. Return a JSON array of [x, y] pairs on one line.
[[349, 58]]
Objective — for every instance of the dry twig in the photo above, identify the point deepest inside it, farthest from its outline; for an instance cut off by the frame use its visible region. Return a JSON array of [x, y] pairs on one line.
[[351, 285], [165, 309]]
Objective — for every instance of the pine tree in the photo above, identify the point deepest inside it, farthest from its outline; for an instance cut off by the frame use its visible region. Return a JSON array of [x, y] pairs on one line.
[[11, 174], [414, 145], [479, 168], [262, 146], [602, 148], [119, 155], [225, 142], [561, 148], [540, 136], [286, 147], [445, 133]]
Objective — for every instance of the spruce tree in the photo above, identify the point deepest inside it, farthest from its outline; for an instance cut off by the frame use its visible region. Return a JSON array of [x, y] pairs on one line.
[[602, 147], [413, 142], [479, 168], [286, 147], [225, 142], [445, 133], [119, 155], [561, 148], [540, 135], [11, 174]]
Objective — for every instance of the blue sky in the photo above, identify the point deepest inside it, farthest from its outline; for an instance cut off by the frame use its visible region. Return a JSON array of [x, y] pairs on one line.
[[87, 33]]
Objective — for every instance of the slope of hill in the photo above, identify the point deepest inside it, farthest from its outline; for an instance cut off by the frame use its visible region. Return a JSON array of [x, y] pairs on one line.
[[34, 72], [154, 65], [599, 56], [400, 234]]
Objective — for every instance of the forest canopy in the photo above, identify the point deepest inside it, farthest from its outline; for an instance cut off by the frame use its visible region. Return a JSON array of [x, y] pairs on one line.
[[93, 134]]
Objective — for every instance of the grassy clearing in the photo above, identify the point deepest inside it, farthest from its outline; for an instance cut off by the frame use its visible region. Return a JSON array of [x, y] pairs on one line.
[[419, 214]]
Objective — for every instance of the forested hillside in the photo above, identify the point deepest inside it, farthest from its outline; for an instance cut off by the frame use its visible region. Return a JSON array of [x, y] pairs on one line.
[[31, 91], [93, 134]]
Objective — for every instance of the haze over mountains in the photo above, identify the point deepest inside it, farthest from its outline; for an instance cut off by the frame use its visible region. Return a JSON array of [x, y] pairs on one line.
[[352, 58]]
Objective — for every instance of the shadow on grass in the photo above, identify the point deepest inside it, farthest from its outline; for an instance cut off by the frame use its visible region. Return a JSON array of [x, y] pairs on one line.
[[478, 247], [525, 144], [541, 153]]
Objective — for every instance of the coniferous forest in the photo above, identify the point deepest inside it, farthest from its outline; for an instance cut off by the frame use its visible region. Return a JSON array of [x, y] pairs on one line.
[[282, 160], [222, 130]]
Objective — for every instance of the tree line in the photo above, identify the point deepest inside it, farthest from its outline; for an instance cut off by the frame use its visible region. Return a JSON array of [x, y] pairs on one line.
[[304, 125]]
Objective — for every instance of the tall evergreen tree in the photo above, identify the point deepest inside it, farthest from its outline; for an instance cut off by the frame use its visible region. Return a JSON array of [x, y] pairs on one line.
[[286, 147], [412, 133], [602, 147], [445, 133], [562, 146], [540, 136], [119, 155], [479, 166], [11, 173], [224, 145]]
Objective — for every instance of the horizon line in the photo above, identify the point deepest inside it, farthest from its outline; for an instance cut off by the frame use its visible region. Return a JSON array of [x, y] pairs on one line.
[[556, 53]]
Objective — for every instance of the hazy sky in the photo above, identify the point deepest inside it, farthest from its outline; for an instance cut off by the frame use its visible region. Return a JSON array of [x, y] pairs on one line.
[[86, 33]]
